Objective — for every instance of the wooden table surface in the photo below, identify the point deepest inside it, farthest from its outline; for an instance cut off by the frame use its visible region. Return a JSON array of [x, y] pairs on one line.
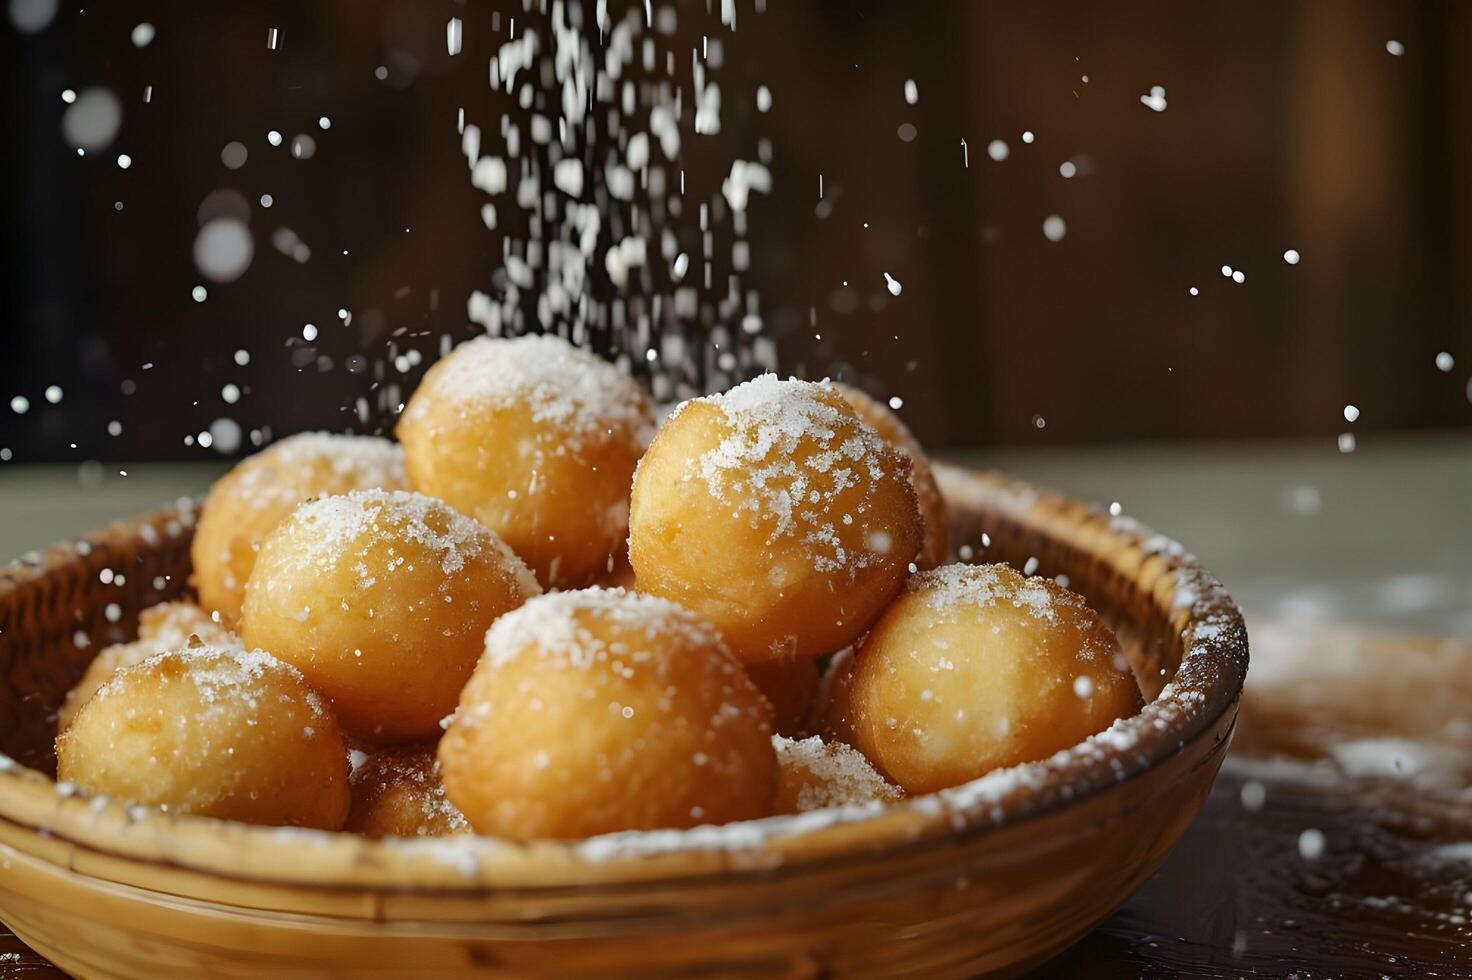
[[1337, 842]]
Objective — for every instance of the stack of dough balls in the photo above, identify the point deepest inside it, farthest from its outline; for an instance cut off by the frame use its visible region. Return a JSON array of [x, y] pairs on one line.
[[537, 440], [790, 639]]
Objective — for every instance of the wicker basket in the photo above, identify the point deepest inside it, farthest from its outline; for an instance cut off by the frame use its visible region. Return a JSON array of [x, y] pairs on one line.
[[992, 877]]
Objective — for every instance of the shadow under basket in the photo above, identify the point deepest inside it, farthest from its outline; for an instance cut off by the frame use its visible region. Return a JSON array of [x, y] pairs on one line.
[[991, 877]]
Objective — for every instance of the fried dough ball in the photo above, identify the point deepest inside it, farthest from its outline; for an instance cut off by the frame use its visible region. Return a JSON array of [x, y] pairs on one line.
[[398, 793], [791, 686], [975, 667], [891, 429], [248, 503], [215, 732], [604, 710], [777, 515], [818, 774], [166, 626], [537, 439], [381, 599]]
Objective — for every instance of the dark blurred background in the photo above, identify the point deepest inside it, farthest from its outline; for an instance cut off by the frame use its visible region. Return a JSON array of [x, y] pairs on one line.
[[1339, 129]]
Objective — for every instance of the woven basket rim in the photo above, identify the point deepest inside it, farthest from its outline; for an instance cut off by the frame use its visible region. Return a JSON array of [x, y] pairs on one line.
[[1193, 705]]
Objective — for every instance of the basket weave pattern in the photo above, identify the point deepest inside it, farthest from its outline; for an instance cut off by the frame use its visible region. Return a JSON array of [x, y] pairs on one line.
[[56, 612]]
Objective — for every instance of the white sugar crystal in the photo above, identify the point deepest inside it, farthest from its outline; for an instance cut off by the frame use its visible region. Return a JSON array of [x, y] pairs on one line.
[[1311, 844], [567, 176], [745, 177], [489, 175]]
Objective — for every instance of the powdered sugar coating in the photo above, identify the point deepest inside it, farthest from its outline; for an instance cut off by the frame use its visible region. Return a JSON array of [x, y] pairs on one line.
[[352, 460], [789, 450], [552, 626], [336, 529], [565, 385], [818, 774], [981, 586], [221, 673]]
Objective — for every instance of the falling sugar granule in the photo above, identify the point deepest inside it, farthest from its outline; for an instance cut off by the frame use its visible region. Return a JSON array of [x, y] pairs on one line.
[[603, 241]]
